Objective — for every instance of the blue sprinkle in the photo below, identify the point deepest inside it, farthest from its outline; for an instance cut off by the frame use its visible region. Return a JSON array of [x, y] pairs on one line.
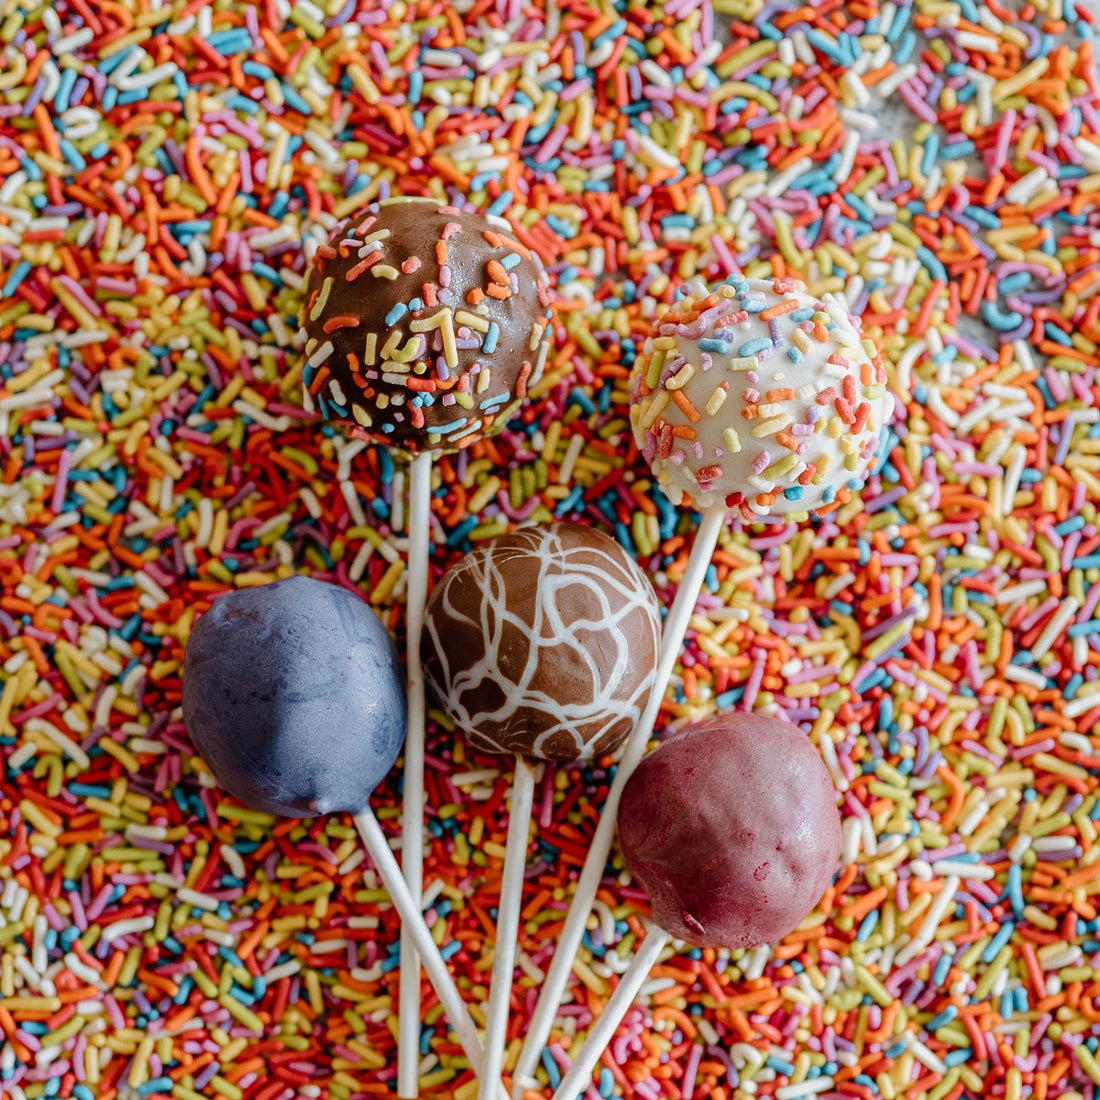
[[501, 204], [111, 63], [579, 397], [867, 926], [18, 274], [945, 1017], [932, 264], [294, 100], [157, 1084], [489, 344], [1076, 631], [551, 1068], [447, 429], [999, 319], [754, 347], [709, 343], [905, 48]]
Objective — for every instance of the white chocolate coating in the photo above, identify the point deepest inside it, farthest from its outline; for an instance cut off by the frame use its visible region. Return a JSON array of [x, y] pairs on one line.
[[759, 396]]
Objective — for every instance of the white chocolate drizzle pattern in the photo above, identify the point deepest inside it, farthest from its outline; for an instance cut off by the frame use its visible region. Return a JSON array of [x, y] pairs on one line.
[[544, 643]]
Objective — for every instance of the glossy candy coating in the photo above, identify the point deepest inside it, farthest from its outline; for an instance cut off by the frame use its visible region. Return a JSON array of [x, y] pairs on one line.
[[732, 828], [544, 642], [425, 326]]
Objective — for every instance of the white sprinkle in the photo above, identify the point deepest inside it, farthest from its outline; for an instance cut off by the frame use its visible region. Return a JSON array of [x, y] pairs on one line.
[[70, 748], [980, 42], [973, 871], [283, 970], [572, 453], [810, 1087], [1051, 844], [272, 423], [1026, 676], [122, 928], [20, 757], [84, 972], [1057, 623], [924, 1055]]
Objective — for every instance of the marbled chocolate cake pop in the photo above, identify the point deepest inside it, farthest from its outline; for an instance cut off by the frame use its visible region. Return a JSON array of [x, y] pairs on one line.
[[543, 642]]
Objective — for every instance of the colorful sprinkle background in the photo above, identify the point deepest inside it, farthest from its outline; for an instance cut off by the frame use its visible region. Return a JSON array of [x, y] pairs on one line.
[[165, 172]]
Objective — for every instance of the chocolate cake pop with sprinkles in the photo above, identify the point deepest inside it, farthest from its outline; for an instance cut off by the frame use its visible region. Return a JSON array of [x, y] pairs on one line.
[[425, 326]]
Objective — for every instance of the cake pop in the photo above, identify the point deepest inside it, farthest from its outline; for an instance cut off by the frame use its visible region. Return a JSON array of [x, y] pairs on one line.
[[759, 396], [541, 643], [292, 695], [732, 828], [424, 327], [706, 400]]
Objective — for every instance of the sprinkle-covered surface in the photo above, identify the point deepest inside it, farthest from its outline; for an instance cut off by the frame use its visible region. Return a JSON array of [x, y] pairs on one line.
[[758, 397], [424, 326], [168, 170]]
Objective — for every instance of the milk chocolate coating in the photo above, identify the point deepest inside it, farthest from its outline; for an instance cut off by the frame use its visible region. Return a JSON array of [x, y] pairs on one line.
[[385, 296], [732, 828], [543, 643]]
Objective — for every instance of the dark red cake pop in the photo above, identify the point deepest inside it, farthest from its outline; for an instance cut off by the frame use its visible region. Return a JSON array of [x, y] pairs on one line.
[[732, 828]]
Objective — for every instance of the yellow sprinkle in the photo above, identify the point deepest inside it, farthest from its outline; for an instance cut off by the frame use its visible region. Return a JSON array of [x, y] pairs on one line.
[[38, 819], [681, 378], [225, 1088], [245, 815], [322, 299], [779, 469], [245, 1015], [771, 427], [32, 1004], [716, 400], [873, 987], [125, 758]]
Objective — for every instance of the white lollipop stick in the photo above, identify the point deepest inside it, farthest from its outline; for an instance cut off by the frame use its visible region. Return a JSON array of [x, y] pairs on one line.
[[511, 902], [412, 816], [579, 1077], [672, 637], [412, 921]]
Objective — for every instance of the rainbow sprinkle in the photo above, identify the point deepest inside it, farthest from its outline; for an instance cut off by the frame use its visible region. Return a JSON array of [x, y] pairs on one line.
[[166, 168]]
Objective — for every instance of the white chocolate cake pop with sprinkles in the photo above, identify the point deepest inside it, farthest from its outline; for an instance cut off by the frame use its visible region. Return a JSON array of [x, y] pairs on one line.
[[760, 397]]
